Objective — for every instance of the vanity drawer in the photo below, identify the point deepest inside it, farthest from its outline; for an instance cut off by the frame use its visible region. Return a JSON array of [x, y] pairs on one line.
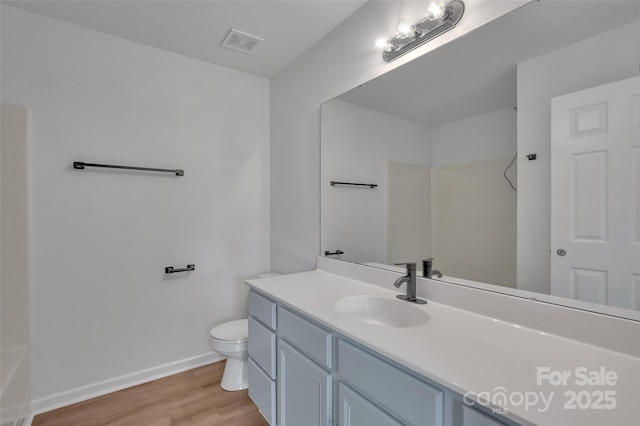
[[262, 309], [262, 391], [402, 394], [314, 341], [262, 347]]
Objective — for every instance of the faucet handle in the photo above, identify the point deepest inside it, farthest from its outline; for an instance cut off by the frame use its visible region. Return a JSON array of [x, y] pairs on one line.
[[411, 266], [427, 267]]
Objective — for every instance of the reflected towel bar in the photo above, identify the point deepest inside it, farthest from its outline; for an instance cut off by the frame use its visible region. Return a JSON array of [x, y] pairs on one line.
[[81, 165], [370, 185], [171, 270]]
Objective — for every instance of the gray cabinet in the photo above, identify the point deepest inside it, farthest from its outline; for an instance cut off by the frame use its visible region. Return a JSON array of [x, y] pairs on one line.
[[314, 341], [356, 410], [262, 347], [473, 417], [262, 390], [404, 395], [262, 355], [262, 309], [324, 378], [304, 389]]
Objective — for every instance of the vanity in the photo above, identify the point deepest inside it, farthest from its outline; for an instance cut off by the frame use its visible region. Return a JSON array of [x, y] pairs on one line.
[[493, 154], [318, 356]]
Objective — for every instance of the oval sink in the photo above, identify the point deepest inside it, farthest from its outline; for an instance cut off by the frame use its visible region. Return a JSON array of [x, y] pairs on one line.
[[381, 311]]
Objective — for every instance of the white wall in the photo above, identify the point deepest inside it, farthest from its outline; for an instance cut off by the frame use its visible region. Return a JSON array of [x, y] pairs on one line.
[[103, 309], [356, 144], [342, 60], [602, 59], [478, 138], [409, 213]]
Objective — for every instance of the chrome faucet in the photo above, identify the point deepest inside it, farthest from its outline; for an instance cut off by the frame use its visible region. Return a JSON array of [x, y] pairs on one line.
[[427, 269], [410, 279]]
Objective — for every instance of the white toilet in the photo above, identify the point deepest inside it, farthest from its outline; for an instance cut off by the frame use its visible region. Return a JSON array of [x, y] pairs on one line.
[[230, 340]]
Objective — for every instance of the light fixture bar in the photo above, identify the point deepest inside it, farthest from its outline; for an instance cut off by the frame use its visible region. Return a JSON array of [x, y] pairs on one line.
[[425, 30]]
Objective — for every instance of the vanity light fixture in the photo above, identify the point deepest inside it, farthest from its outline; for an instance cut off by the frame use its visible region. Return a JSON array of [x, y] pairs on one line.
[[440, 17], [406, 29], [383, 45], [436, 10]]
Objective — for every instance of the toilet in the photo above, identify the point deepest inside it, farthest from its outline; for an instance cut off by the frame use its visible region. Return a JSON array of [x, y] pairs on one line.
[[231, 340]]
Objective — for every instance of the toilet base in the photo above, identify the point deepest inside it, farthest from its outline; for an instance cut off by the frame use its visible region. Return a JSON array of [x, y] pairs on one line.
[[235, 375]]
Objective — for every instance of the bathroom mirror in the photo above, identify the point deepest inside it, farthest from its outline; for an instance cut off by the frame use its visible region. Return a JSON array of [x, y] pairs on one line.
[[463, 159]]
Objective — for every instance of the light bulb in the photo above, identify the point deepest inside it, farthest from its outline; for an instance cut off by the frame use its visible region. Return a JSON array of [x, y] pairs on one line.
[[436, 10], [383, 44], [405, 28]]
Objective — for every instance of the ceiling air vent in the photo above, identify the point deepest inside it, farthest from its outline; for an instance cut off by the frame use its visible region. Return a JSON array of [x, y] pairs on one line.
[[241, 42]]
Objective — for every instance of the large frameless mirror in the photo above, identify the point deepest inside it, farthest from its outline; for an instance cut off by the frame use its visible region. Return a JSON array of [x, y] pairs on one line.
[[510, 156]]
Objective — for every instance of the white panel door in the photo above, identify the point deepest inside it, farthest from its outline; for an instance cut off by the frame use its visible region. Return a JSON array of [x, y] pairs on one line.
[[595, 194]]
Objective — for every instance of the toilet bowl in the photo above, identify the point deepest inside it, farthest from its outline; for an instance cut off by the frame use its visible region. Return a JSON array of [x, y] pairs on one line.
[[231, 341]]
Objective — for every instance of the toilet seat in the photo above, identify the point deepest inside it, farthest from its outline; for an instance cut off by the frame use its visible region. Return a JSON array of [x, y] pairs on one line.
[[232, 331], [229, 347]]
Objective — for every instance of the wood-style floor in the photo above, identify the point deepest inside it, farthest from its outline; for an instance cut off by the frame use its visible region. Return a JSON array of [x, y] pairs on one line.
[[190, 398]]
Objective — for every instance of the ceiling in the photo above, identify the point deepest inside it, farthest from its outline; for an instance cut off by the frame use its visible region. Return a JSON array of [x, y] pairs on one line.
[[196, 28], [476, 73]]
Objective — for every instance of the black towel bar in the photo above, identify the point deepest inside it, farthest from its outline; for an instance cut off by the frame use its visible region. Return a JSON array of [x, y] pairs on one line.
[[80, 165], [171, 270], [370, 185]]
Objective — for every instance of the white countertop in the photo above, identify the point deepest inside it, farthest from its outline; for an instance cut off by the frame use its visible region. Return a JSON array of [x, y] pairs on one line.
[[476, 354]]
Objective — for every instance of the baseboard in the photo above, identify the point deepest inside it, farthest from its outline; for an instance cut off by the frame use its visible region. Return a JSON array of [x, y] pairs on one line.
[[93, 390]]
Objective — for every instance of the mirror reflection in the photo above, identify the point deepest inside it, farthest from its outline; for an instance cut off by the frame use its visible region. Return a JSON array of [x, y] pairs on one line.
[[510, 156]]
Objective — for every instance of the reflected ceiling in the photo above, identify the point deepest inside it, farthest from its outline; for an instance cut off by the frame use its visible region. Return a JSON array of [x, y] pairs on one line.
[[491, 80]]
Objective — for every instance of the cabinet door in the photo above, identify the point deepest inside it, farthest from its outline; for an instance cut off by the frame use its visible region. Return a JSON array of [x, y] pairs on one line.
[[304, 389], [400, 393], [355, 410], [471, 417]]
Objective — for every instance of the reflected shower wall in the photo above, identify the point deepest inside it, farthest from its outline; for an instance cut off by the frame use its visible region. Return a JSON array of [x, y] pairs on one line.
[[463, 215], [474, 221]]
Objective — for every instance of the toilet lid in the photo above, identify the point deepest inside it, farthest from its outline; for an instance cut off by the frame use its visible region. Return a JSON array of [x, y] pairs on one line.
[[232, 330]]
